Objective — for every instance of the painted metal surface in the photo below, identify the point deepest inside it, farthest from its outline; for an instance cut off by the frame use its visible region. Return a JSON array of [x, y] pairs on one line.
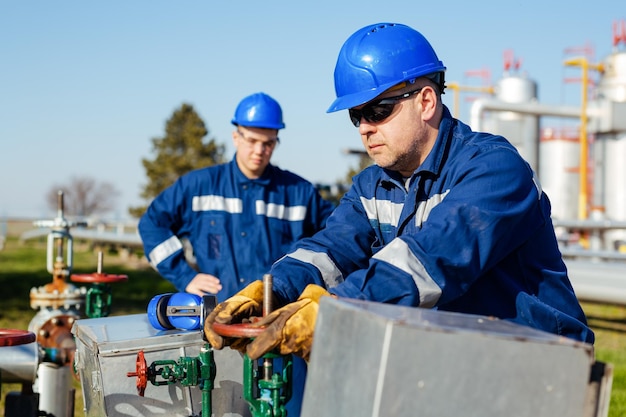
[[107, 350], [372, 359]]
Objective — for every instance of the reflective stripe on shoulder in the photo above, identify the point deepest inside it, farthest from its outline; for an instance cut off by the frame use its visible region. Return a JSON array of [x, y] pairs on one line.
[[280, 211], [164, 250], [382, 211], [330, 273], [216, 203], [398, 254]]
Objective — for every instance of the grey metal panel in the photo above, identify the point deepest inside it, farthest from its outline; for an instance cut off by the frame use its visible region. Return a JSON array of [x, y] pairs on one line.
[[107, 350], [371, 359]]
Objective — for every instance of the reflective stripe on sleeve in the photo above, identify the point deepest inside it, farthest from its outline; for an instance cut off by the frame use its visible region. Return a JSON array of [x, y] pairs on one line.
[[280, 211], [330, 273], [164, 250], [398, 254], [216, 203], [382, 211]]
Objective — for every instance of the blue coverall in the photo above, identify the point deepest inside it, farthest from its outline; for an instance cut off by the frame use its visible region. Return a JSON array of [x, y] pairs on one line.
[[469, 232], [237, 227]]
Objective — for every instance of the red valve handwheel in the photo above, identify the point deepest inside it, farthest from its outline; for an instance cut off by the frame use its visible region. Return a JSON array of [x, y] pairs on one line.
[[13, 337], [99, 278], [141, 373], [237, 330]]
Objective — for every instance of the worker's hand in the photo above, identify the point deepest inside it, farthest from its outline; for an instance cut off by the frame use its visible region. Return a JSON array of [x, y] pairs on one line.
[[290, 328], [203, 284], [243, 305]]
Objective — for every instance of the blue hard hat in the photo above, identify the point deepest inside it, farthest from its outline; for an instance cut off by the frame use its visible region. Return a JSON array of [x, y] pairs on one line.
[[378, 57], [259, 110]]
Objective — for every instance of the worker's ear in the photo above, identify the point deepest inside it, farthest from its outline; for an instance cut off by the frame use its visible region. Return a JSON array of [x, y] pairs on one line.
[[428, 100], [235, 136]]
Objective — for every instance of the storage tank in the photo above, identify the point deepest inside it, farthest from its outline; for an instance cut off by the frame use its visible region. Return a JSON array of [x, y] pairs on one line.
[[559, 164], [609, 147], [521, 130], [553, 155]]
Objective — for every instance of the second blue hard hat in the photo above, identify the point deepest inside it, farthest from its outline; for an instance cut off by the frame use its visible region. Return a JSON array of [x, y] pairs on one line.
[[259, 110], [378, 57]]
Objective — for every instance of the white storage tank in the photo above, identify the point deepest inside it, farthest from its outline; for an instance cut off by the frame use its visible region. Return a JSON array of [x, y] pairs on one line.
[[559, 164], [521, 130], [610, 147]]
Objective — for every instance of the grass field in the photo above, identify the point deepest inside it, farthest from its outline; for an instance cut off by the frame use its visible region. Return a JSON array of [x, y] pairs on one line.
[[23, 266]]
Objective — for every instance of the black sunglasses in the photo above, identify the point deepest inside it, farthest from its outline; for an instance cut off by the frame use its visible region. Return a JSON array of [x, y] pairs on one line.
[[379, 110]]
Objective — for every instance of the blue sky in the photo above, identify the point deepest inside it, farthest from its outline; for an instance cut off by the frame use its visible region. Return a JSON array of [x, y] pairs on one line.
[[85, 86]]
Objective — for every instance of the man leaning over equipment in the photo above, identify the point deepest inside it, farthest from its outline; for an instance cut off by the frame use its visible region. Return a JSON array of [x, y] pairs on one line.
[[448, 218]]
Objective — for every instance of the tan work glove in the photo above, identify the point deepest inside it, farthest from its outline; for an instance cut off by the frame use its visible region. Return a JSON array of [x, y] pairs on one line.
[[243, 305], [290, 328]]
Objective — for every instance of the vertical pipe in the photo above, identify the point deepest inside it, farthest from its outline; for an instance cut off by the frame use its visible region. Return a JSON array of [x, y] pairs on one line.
[[54, 385], [100, 261], [59, 242], [584, 151], [267, 294], [582, 198], [268, 365]]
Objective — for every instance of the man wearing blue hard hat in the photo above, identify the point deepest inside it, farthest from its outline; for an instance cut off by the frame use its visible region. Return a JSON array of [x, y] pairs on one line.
[[239, 217], [447, 218]]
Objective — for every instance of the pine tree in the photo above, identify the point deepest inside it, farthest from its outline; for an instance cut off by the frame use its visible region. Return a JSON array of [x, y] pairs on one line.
[[184, 147]]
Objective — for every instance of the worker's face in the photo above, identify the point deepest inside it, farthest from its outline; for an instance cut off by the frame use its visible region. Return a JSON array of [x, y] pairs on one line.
[[254, 149], [401, 141]]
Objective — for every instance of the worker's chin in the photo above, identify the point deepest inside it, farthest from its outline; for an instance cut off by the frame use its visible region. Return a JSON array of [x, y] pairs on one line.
[[257, 168], [383, 162]]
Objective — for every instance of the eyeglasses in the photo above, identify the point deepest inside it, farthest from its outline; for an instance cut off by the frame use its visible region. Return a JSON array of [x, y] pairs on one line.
[[379, 110], [266, 145]]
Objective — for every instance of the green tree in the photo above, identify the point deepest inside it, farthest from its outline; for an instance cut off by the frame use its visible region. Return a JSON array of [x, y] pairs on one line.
[[184, 147]]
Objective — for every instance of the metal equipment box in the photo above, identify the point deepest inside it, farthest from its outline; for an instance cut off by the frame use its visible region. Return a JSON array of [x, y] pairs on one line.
[[106, 350], [372, 359]]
